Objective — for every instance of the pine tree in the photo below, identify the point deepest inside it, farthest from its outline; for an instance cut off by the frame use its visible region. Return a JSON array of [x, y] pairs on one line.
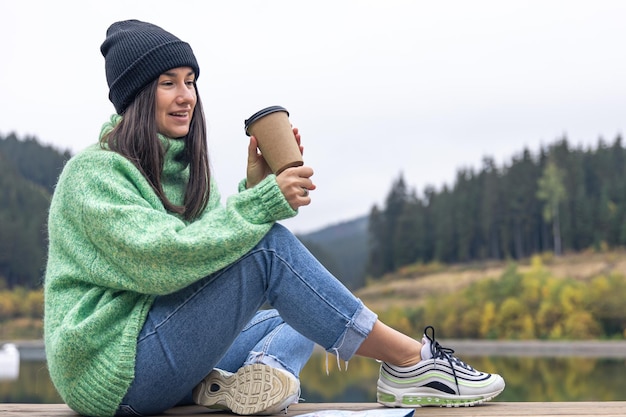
[[552, 191]]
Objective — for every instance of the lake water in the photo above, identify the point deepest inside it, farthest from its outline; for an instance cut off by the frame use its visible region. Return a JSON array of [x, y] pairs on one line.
[[528, 378]]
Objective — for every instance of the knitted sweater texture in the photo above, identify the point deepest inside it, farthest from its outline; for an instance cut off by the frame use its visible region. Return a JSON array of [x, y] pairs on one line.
[[113, 248]]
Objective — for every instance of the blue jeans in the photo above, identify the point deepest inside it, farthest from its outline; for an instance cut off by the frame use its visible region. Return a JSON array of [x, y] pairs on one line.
[[216, 322]]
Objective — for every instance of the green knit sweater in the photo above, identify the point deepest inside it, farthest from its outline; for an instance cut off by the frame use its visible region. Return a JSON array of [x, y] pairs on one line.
[[113, 248]]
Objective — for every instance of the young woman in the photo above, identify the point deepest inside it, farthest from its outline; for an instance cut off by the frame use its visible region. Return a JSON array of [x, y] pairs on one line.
[[154, 289]]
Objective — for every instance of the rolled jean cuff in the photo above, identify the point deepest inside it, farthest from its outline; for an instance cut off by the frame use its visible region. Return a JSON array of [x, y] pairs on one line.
[[356, 332]]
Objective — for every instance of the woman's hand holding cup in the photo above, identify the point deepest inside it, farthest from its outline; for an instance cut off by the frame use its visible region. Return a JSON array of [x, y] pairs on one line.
[[295, 184], [258, 168]]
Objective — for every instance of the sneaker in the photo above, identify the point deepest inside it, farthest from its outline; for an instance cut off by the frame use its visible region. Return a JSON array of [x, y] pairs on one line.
[[439, 379], [253, 389]]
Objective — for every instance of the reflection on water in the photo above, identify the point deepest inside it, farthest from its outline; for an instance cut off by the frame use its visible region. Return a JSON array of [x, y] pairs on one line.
[[33, 385], [527, 379]]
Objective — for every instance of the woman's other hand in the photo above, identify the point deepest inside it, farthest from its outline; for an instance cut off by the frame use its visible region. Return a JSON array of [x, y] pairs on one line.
[[257, 166]]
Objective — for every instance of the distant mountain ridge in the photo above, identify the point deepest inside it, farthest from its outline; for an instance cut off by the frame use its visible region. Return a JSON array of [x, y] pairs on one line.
[[343, 249]]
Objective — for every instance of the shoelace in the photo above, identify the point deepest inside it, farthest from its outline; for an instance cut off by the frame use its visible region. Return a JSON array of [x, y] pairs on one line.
[[439, 351]]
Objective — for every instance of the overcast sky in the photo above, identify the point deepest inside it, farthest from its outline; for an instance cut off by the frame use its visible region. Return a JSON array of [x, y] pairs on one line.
[[377, 88]]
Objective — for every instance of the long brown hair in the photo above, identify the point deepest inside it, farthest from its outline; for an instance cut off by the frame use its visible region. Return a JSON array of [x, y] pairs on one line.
[[135, 137]]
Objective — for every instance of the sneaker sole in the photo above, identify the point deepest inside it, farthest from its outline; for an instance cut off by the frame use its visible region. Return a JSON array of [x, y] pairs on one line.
[[412, 400], [253, 389]]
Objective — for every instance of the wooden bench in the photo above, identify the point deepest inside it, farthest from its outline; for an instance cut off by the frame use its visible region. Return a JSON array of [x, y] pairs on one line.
[[500, 409]]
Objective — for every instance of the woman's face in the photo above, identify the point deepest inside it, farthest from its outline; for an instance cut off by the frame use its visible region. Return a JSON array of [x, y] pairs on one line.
[[175, 101]]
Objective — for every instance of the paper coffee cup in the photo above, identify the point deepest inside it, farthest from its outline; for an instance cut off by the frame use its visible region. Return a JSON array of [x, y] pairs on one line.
[[272, 129]]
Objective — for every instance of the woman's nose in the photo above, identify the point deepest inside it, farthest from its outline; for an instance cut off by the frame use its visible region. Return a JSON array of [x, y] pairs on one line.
[[187, 95]]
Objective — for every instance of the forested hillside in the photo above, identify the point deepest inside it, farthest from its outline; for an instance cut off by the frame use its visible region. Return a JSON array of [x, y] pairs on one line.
[[560, 199], [28, 172]]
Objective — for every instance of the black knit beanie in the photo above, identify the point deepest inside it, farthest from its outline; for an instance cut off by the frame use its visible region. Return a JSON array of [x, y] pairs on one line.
[[135, 53]]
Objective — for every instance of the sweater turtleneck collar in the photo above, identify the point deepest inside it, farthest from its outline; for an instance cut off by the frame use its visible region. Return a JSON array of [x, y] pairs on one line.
[[173, 163]]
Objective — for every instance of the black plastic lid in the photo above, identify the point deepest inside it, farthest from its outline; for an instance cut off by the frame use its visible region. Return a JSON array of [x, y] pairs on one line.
[[264, 112]]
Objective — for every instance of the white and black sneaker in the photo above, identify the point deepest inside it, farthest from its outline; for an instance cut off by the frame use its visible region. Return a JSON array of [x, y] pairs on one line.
[[439, 379], [253, 389]]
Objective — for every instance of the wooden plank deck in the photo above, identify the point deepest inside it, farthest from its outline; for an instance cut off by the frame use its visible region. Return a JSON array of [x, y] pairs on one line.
[[540, 409]]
